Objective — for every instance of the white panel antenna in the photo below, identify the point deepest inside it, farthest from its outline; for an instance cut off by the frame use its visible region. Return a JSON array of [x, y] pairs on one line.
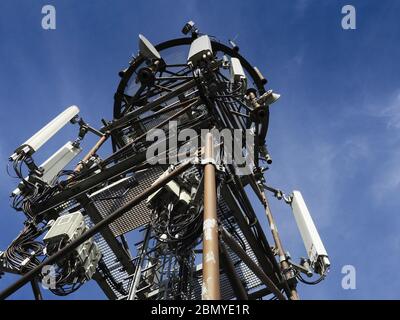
[[312, 241], [57, 162], [200, 49]]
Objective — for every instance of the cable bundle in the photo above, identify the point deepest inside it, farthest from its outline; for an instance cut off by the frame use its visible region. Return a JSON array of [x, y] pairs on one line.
[[22, 255], [178, 230]]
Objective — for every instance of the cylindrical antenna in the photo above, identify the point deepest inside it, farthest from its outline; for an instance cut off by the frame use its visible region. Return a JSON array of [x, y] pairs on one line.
[[47, 132]]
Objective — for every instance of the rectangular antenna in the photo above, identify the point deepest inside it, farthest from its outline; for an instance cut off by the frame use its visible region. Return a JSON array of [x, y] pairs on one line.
[[312, 241]]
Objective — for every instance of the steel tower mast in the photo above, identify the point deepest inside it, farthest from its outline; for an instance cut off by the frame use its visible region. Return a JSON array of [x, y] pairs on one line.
[[168, 214]]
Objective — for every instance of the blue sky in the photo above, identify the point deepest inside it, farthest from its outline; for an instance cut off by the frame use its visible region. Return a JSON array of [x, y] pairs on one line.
[[334, 134]]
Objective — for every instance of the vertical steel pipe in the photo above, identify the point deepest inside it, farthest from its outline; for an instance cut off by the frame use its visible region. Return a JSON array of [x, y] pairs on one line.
[[211, 283]]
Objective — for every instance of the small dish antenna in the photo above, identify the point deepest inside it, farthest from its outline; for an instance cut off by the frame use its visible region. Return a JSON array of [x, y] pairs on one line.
[[146, 49]]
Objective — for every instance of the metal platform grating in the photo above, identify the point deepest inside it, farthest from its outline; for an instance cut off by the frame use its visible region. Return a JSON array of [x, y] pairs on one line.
[[112, 263], [112, 197]]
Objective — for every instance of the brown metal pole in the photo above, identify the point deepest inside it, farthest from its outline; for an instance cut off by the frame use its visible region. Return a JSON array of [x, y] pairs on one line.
[[211, 283], [95, 148], [285, 267]]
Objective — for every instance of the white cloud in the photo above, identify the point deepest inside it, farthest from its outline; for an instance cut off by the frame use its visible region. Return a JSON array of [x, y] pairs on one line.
[[387, 179], [392, 112]]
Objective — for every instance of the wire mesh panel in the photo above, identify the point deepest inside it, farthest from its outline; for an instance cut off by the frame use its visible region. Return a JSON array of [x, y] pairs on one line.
[[111, 198], [113, 274], [248, 278], [225, 287]]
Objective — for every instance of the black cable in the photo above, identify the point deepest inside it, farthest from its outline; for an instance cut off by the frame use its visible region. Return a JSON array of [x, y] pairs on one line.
[[301, 279], [21, 249]]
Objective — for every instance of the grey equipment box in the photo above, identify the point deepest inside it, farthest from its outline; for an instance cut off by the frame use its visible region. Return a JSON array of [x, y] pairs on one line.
[[65, 227]]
